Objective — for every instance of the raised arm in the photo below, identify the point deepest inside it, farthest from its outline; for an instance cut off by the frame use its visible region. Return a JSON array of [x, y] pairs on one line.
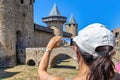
[[42, 69]]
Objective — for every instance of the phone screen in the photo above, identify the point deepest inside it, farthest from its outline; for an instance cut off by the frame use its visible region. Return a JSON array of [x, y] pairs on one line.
[[65, 42]]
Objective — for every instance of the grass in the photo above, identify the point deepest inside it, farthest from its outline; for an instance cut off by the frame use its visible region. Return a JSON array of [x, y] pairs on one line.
[[23, 72], [65, 69]]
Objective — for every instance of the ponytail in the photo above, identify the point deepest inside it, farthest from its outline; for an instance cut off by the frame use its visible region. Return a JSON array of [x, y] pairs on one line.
[[102, 67]]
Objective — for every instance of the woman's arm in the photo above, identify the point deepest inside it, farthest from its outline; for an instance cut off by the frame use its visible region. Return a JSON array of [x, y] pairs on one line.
[[44, 61], [42, 69]]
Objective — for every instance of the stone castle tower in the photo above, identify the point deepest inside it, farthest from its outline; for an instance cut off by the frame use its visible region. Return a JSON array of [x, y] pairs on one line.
[[55, 21], [72, 26], [16, 29]]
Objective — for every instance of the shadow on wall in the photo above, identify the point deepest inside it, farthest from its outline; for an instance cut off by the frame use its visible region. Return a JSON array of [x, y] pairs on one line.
[[4, 74]]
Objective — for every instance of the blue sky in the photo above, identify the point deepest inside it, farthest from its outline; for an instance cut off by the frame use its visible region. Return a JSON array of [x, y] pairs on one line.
[[85, 12]]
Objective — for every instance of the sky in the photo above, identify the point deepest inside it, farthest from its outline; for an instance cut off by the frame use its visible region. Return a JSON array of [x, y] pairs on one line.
[[85, 12]]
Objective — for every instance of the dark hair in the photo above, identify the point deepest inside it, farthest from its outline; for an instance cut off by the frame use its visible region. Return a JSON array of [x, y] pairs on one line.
[[102, 67]]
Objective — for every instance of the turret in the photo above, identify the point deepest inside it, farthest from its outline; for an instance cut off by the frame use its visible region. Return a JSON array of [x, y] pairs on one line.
[[71, 26], [55, 21]]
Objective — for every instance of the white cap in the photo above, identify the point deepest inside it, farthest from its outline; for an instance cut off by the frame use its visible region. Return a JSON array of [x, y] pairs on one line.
[[92, 36]]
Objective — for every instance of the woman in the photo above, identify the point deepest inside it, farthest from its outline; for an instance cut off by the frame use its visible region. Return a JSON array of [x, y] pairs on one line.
[[94, 48]]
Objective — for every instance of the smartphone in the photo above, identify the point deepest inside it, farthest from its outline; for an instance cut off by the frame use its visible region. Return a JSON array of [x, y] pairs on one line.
[[65, 42]]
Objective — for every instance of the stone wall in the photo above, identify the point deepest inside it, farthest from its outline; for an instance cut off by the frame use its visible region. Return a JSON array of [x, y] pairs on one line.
[[116, 57], [117, 36], [116, 32], [20, 56], [5, 59], [42, 38], [16, 28], [25, 23], [34, 54], [7, 31]]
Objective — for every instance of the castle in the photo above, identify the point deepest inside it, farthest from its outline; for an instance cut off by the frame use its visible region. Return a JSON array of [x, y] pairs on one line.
[[18, 30]]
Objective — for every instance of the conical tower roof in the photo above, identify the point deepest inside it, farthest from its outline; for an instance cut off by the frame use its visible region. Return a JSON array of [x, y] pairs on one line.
[[72, 20], [54, 11]]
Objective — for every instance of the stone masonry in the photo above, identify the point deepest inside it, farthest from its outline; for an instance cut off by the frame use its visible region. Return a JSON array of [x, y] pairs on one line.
[[18, 31], [117, 36], [34, 55]]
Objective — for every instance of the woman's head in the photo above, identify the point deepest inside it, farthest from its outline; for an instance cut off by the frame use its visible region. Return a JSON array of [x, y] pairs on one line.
[[95, 44], [93, 36]]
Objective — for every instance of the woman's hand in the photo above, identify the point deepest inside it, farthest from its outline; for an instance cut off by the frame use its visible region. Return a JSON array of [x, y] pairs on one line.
[[53, 42]]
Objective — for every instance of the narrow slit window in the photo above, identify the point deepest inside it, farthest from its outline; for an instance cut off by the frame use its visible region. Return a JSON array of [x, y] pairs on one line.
[[22, 1], [116, 34], [31, 1]]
